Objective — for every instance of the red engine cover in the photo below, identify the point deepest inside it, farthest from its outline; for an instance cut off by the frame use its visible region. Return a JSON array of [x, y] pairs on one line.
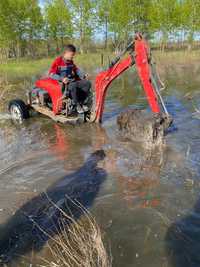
[[54, 90]]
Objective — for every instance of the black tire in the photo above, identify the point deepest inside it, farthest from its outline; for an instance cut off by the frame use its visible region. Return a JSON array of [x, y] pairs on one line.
[[18, 109], [87, 116]]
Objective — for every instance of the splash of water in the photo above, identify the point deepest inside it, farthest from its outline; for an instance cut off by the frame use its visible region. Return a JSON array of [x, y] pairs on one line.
[[5, 116]]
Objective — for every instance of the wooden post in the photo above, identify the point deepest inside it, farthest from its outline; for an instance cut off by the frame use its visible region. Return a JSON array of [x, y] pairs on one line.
[[102, 59]]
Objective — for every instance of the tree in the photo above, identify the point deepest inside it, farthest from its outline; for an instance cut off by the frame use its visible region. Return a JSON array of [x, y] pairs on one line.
[[122, 14], [165, 17], [58, 22], [190, 19], [20, 22], [123, 17], [103, 14], [83, 20]]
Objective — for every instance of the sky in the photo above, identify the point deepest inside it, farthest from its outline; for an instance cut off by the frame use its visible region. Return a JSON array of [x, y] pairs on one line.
[[41, 3]]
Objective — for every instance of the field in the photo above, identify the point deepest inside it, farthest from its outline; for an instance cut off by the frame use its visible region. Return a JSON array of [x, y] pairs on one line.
[[26, 68], [174, 67]]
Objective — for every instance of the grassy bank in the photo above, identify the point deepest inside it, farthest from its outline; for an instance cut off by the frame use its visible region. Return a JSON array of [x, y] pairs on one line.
[[23, 68], [27, 69], [177, 57], [16, 76]]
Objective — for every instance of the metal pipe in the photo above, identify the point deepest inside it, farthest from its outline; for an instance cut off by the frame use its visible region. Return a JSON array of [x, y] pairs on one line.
[[159, 95]]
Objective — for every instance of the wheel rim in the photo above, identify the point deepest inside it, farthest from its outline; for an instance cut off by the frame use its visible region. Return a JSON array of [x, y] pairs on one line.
[[16, 113]]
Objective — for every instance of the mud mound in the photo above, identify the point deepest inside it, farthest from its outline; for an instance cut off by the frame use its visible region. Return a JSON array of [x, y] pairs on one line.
[[142, 126]]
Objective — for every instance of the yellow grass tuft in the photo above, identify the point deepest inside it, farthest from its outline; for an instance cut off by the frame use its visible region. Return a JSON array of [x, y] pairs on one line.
[[78, 244]]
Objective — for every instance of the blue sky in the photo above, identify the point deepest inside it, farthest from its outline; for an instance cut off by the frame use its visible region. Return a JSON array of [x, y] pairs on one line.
[[41, 3]]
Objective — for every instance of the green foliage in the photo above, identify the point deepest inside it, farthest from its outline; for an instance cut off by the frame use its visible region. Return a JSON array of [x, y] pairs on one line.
[[58, 19], [20, 22], [20, 18], [24, 25], [83, 20], [165, 16], [121, 13], [190, 17]]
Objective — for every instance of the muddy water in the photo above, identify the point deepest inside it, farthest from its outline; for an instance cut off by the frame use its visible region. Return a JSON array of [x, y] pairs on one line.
[[147, 203]]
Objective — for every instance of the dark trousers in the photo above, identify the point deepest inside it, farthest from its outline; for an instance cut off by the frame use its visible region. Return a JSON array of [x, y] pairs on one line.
[[76, 87]]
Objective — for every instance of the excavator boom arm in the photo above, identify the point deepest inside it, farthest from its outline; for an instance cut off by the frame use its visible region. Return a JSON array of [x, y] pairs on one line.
[[138, 56]]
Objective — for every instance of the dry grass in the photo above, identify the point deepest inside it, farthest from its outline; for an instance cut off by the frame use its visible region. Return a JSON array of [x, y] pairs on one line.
[[3, 90], [196, 114], [15, 70], [177, 57], [78, 244], [27, 68]]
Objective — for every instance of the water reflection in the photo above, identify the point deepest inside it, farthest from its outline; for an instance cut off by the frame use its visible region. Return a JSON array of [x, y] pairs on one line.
[[61, 144], [183, 240], [139, 190]]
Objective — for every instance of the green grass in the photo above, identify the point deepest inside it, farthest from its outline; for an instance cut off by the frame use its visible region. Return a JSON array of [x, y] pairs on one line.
[[28, 68], [18, 69], [177, 57], [15, 70]]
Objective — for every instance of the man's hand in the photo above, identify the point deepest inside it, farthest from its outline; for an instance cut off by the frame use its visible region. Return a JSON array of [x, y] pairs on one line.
[[87, 76], [65, 80]]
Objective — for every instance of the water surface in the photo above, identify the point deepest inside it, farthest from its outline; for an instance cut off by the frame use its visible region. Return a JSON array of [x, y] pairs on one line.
[[147, 204]]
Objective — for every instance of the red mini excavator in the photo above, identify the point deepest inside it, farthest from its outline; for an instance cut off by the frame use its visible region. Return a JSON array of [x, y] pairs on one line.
[[49, 98]]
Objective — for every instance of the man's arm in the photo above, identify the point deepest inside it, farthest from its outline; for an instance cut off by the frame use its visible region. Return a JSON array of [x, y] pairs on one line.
[[79, 73], [54, 72]]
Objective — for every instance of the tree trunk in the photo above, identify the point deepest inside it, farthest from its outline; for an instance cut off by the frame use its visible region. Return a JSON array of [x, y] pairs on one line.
[[57, 46], [164, 40], [190, 41], [106, 33], [81, 29], [48, 48], [62, 42]]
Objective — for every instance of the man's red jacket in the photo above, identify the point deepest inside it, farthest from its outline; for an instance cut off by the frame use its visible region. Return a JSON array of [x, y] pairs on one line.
[[62, 68]]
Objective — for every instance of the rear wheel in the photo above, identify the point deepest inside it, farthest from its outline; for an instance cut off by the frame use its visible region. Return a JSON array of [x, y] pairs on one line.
[[87, 116], [18, 110]]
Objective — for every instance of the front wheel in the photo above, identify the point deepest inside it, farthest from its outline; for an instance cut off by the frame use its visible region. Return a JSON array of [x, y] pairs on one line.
[[18, 110]]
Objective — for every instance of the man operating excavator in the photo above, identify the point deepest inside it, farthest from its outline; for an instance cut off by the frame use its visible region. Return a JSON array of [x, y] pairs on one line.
[[74, 80]]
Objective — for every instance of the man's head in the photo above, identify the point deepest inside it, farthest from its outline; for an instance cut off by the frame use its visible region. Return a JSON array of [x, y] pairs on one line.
[[69, 52]]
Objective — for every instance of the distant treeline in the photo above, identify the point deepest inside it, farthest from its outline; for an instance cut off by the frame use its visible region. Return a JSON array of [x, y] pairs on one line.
[[30, 28]]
